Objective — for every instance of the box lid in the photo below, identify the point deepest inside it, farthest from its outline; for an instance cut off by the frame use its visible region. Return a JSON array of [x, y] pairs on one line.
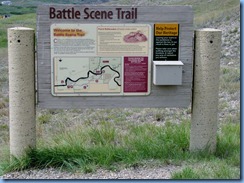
[[168, 63]]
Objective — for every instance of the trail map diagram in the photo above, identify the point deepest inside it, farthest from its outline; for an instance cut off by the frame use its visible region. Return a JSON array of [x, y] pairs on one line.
[[87, 75]]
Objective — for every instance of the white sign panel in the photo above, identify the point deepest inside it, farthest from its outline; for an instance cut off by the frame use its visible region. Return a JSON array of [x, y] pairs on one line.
[[100, 59]]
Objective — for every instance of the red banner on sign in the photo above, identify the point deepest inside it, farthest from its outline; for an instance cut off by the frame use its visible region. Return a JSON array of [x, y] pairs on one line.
[[135, 74]]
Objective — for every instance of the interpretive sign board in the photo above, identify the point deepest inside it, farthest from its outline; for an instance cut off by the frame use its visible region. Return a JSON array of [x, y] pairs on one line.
[[100, 59], [102, 56]]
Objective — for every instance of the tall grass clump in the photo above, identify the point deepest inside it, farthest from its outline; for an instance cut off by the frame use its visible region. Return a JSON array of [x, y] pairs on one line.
[[105, 146], [223, 164], [87, 148], [167, 142]]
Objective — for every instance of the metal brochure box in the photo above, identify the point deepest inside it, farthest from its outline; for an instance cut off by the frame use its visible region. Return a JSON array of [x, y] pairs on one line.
[[167, 72]]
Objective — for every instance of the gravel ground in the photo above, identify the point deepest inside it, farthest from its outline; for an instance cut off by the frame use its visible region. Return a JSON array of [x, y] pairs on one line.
[[163, 172]]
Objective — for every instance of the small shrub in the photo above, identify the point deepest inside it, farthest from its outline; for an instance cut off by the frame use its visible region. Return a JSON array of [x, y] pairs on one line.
[[3, 127], [44, 118], [2, 104]]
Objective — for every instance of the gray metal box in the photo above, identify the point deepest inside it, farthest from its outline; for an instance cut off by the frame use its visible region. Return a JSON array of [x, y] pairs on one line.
[[167, 72]]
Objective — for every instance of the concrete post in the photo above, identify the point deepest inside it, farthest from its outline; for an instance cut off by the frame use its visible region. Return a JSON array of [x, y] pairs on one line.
[[205, 90], [21, 56]]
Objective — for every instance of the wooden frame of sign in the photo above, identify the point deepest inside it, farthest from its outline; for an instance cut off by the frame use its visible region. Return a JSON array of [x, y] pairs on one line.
[[72, 39]]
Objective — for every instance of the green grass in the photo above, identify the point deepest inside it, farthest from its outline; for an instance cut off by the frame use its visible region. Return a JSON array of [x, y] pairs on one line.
[[23, 15], [44, 118], [88, 148], [16, 10], [186, 173], [225, 164], [34, 3], [209, 170], [230, 79], [3, 107], [205, 11], [3, 76], [26, 20], [115, 143]]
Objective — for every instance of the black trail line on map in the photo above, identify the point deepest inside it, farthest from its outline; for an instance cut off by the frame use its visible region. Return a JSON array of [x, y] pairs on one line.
[[96, 74]]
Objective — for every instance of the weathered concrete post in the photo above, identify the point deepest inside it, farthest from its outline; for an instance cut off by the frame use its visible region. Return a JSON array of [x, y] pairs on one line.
[[21, 56], [205, 90]]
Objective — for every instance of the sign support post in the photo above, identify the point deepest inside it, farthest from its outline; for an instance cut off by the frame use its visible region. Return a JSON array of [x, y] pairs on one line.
[[205, 90], [22, 109]]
